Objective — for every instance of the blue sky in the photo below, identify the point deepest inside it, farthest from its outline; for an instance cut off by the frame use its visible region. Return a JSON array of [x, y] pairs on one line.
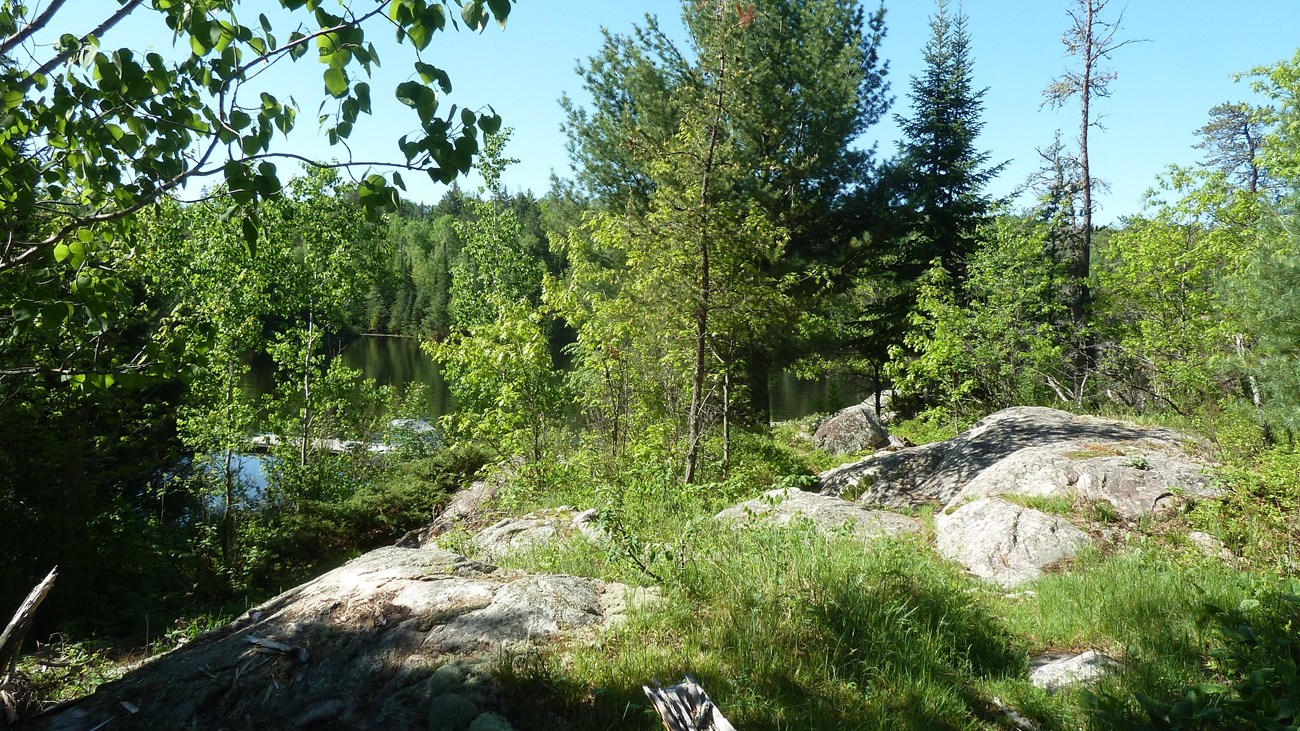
[[1165, 87]]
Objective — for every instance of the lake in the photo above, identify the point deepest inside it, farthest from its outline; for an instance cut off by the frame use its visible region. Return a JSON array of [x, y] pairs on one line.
[[399, 362]]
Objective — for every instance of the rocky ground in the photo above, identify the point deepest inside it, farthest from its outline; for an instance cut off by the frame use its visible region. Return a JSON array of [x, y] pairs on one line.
[[406, 637]]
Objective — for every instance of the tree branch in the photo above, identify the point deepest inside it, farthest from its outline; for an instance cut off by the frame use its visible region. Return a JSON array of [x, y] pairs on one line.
[[62, 56], [40, 22]]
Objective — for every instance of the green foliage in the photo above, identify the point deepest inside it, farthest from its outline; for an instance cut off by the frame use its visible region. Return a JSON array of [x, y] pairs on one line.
[[787, 87], [507, 390], [1258, 516], [1256, 660], [942, 173], [94, 136], [1171, 333], [495, 266], [1269, 292], [497, 358], [1280, 84], [999, 348]]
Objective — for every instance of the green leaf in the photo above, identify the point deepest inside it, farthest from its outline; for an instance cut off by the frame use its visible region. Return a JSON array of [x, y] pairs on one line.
[[490, 124], [428, 72], [336, 82], [472, 13], [61, 252], [249, 228], [11, 99], [501, 10]]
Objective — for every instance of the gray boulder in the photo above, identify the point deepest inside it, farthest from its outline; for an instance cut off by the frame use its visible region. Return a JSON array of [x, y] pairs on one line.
[[851, 430], [936, 473], [828, 514], [1055, 672], [465, 509], [895, 479], [1134, 481], [535, 529], [1005, 543], [1210, 546], [385, 641]]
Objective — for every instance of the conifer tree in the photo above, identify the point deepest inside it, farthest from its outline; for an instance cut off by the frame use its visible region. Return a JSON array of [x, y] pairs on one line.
[[943, 173]]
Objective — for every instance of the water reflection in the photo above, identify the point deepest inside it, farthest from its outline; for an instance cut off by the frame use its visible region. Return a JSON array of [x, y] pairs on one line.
[[402, 364], [791, 398]]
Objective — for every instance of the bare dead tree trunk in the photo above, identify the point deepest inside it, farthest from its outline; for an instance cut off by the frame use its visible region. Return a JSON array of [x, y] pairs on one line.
[[1092, 40], [1080, 265], [16, 631]]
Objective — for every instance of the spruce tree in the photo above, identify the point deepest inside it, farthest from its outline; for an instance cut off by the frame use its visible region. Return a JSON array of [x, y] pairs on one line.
[[943, 173]]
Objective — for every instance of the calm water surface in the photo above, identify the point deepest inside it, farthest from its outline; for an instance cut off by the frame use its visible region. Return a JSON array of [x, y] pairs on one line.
[[399, 362]]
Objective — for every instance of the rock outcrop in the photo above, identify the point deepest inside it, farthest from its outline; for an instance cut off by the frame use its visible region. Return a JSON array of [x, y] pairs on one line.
[[851, 430], [1133, 481], [537, 528], [1005, 543], [393, 639], [937, 473], [1053, 673], [828, 514], [465, 509]]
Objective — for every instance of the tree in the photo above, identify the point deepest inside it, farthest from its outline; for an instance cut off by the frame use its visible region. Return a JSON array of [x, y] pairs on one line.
[[1171, 330], [997, 347], [1233, 140], [93, 136], [1092, 41], [494, 260], [496, 357], [812, 81], [1269, 293], [317, 256], [943, 173], [1280, 84]]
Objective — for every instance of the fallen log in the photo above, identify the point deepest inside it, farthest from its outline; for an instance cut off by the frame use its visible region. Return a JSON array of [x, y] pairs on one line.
[[686, 707], [17, 628], [11, 702]]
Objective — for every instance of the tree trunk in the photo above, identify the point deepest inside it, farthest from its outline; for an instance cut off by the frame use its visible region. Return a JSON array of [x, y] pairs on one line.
[[306, 393], [694, 425], [1082, 257], [12, 638]]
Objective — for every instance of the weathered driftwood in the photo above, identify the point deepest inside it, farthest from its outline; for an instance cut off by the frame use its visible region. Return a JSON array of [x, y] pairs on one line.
[[686, 707], [17, 628], [12, 697]]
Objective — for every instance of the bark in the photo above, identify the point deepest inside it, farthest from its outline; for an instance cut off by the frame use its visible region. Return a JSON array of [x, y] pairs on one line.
[[12, 638]]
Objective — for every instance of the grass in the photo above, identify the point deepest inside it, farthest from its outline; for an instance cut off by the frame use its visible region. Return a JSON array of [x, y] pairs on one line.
[[1051, 504], [789, 629]]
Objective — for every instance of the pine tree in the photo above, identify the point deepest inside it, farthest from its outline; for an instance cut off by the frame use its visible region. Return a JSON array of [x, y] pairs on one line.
[[1233, 140], [943, 172], [813, 82]]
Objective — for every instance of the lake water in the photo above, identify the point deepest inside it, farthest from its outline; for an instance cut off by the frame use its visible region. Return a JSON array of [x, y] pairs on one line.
[[399, 362]]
